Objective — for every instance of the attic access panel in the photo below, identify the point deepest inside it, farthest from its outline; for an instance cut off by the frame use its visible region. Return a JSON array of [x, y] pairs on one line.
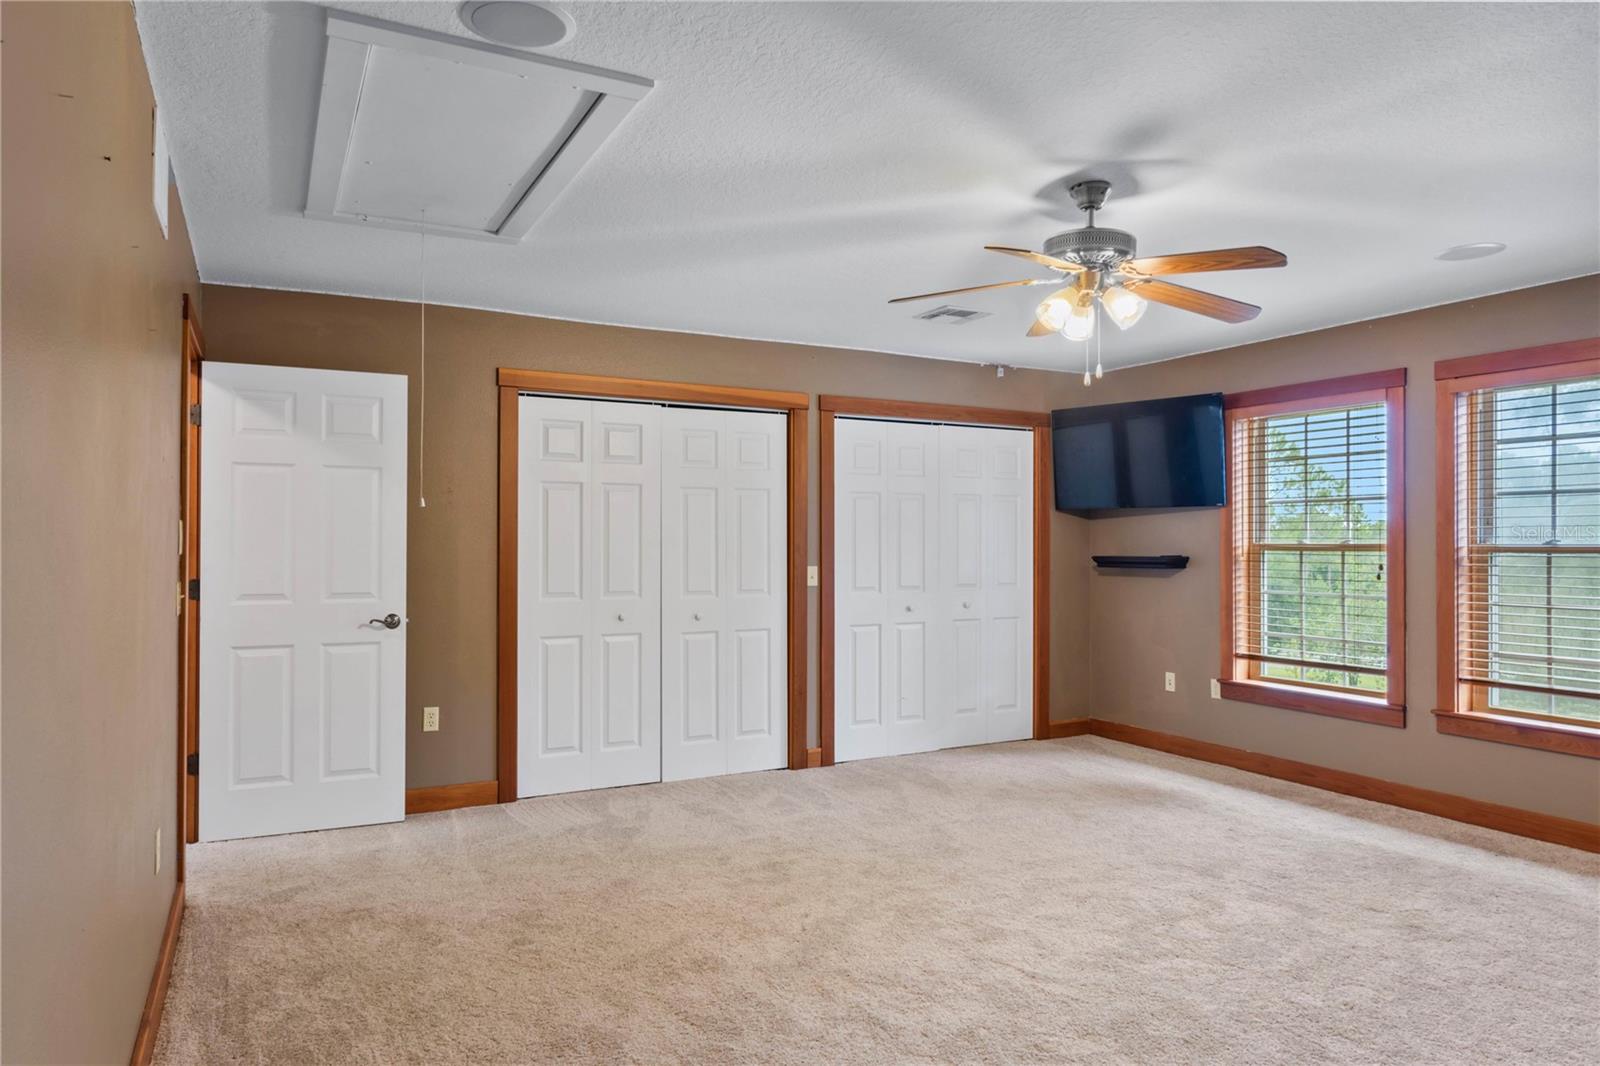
[[481, 138]]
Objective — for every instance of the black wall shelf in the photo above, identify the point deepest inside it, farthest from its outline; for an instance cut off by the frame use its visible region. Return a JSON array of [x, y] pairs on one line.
[[1140, 562]]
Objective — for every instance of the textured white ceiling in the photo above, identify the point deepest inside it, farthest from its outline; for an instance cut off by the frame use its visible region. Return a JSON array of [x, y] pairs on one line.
[[799, 164]]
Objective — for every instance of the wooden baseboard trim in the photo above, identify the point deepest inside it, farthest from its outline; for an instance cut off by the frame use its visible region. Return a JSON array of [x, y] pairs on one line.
[[813, 758], [1071, 727], [449, 797], [144, 1041], [1547, 827]]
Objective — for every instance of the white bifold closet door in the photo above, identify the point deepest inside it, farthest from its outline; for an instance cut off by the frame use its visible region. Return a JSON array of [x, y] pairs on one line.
[[933, 586], [724, 619], [651, 593], [588, 595]]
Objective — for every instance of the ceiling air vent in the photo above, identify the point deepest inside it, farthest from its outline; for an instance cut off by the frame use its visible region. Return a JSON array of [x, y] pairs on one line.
[[418, 130], [951, 315]]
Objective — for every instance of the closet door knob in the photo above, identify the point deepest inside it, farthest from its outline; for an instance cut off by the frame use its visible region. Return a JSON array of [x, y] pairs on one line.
[[620, 618], [908, 608], [965, 605], [697, 616]]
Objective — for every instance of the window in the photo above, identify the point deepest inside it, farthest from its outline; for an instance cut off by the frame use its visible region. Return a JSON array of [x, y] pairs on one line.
[[1520, 548], [1314, 596]]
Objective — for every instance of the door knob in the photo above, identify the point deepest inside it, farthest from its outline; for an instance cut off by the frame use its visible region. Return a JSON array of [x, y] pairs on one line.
[[697, 616], [908, 608], [620, 618], [388, 621], [965, 605]]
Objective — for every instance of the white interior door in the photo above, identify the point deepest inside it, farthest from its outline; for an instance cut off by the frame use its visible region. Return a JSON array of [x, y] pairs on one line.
[[724, 693], [962, 579], [861, 592], [933, 586], [918, 707], [303, 544], [588, 595], [1008, 583]]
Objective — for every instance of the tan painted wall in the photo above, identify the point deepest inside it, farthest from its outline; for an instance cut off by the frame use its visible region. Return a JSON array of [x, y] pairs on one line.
[[1129, 628], [451, 578], [92, 299], [1143, 625]]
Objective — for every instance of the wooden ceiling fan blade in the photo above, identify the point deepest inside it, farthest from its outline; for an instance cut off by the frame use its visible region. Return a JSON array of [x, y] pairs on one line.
[[1201, 303], [971, 288], [1036, 257], [1254, 257]]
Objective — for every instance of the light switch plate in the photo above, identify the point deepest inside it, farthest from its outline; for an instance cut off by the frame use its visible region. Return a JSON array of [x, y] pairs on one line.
[[1216, 689], [1172, 681], [811, 576], [430, 719], [158, 849]]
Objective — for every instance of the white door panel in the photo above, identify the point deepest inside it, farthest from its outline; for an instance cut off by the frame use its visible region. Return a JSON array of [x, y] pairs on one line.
[[624, 712], [724, 597], [588, 581], [1008, 584], [302, 699], [861, 600], [918, 701]]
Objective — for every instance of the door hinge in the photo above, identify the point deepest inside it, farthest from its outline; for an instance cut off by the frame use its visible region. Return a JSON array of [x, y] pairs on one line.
[[192, 764], [194, 414], [194, 589]]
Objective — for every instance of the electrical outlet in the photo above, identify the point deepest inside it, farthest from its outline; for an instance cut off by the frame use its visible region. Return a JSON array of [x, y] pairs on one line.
[[158, 849], [430, 719], [1172, 681], [1216, 689], [811, 576]]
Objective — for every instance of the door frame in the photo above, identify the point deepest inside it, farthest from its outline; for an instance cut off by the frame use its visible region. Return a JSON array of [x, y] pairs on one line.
[[513, 383], [193, 346], [1038, 423]]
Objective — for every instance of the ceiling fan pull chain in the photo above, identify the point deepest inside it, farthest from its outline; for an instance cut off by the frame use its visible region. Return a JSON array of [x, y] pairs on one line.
[[1098, 373]]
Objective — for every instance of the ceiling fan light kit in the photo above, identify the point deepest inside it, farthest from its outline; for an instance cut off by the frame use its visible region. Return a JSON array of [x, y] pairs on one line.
[[1103, 271]]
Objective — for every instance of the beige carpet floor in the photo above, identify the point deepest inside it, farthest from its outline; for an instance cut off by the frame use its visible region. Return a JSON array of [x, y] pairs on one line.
[[1058, 902]]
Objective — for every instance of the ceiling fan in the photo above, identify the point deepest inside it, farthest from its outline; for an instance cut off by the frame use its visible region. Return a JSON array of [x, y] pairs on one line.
[[1101, 271]]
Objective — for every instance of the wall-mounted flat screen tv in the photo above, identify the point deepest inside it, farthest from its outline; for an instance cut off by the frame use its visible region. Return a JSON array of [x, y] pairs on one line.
[[1153, 453]]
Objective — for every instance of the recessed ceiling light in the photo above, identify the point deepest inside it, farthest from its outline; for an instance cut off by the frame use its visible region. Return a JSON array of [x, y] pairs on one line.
[[514, 22], [1476, 250]]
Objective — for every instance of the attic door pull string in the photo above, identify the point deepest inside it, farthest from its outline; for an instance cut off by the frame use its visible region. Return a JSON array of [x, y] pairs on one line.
[[422, 360]]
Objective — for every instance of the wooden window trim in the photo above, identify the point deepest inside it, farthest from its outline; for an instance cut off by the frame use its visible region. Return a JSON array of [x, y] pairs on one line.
[[1237, 677], [796, 405], [1043, 488], [1454, 713]]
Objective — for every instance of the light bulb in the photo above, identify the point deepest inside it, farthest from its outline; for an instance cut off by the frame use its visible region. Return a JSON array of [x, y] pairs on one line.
[[1124, 307], [1054, 311], [1086, 381], [1079, 325], [1098, 373]]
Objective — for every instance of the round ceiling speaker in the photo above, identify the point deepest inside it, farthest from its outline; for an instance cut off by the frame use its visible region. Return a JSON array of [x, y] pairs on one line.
[[514, 22]]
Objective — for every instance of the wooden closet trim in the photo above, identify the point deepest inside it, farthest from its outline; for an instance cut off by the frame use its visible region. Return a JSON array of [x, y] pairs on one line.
[[873, 407], [512, 383], [870, 407], [641, 389]]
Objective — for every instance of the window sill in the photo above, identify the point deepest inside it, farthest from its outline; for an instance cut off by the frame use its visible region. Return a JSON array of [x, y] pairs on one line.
[[1524, 732], [1288, 697]]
